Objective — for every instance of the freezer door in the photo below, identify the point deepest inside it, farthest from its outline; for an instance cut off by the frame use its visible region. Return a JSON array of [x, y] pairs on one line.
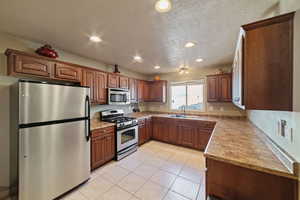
[[52, 160], [40, 102]]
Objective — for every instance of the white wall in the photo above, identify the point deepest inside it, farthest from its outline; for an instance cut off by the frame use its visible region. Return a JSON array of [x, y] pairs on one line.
[[289, 5]]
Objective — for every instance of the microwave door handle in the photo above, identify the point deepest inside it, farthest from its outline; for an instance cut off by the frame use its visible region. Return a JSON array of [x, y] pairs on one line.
[[88, 120]]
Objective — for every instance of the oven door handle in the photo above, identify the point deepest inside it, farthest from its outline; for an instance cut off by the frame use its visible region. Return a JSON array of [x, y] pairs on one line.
[[129, 149]]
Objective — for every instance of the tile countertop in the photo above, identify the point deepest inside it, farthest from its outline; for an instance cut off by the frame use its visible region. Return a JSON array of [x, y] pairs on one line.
[[97, 124], [237, 141]]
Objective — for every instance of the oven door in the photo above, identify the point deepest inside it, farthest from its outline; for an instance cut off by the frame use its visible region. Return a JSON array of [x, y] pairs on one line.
[[127, 137]]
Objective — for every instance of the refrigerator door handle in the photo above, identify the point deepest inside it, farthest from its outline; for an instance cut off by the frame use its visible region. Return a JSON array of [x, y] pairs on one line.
[[88, 121]]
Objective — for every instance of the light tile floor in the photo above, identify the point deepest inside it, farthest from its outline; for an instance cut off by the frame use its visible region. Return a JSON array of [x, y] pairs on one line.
[[157, 171]]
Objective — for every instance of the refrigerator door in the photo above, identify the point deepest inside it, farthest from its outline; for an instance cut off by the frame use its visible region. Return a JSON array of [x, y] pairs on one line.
[[40, 102], [52, 160]]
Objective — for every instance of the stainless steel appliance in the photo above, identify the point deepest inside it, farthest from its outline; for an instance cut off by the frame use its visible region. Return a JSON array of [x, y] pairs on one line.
[[127, 132], [53, 128], [117, 96]]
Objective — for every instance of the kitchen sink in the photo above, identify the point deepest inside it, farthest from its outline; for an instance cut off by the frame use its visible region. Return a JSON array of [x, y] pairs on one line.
[[178, 116]]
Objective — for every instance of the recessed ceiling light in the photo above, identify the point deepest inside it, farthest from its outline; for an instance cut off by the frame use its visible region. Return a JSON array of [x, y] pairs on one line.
[[95, 38], [189, 44], [138, 58], [163, 6], [156, 67], [199, 60]]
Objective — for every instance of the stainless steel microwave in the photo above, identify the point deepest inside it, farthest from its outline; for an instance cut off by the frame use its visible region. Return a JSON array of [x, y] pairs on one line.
[[117, 96]]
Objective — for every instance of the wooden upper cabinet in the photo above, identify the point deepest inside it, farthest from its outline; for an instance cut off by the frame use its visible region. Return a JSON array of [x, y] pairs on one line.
[[113, 81], [124, 82], [219, 88], [101, 87], [89, 80], [157, 91], [268, 60], [21, 64], [141, 91], [67, 72], [212, 88], [133, 88], [225, 88], [97, 81]]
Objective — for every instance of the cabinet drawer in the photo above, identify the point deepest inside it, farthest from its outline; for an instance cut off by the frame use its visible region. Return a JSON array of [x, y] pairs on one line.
[[67, 72], [31, 66], [103, 131]]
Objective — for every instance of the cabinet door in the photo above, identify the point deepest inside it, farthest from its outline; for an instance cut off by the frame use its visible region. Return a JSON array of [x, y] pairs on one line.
[[157, 91], [141, 91], [142, 131], [101, 87], [113, 81], [133, 90], [109, 147], [212, 89], [124, 82], [174, 135], [149, 129], [31, 66], [225, 92], [146, 91], [88, 79], [187, 134], [67, 72], [98, 151]]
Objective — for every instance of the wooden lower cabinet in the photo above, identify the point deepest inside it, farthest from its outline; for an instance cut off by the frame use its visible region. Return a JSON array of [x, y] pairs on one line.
[[184, 132], [145, 130], [230, 182], [102, 146]]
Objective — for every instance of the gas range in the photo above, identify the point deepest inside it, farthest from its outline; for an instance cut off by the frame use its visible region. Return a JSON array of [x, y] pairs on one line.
[[127, 132], [117, 117], [123, 122]]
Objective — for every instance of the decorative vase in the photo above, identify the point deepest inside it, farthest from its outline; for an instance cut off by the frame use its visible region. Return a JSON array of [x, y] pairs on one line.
[[47, 51]]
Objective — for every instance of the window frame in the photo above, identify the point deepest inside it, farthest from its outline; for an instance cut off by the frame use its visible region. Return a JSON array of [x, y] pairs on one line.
[[186, 83]]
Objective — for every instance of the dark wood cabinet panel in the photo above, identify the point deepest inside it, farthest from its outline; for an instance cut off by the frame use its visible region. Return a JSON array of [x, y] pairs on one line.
[[149, 128], [67, 72], [133, 88], [212, 89], [142, 131], [225, 89], [141, 91], [219, 88], [20, 64], [225, 180], [124, 82], [101, 87], [113, 81], [102, 146], [157, 91], [268, 60], [189, 133], [89, 80], [97, 81]]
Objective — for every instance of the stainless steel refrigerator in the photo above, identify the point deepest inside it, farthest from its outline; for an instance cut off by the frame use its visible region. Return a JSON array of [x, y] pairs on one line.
[[53, 138]]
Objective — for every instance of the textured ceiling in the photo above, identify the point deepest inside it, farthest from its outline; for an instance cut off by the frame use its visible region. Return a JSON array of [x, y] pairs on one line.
[[130, 27]]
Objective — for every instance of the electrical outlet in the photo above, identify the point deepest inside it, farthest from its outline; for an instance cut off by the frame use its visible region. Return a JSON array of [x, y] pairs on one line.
[[283, 128]]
